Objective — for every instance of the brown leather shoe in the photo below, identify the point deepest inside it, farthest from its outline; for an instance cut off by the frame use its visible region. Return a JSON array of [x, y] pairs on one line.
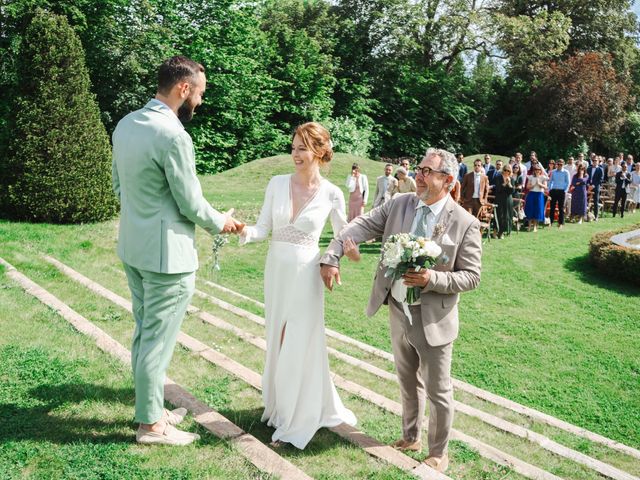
[[439, 464], [403, 445]]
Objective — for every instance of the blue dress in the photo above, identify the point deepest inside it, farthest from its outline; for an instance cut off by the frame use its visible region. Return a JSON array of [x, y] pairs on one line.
[[534, 205], [579, 196]]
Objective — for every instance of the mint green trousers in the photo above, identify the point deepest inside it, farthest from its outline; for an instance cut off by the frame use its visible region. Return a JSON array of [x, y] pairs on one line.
[[159, 302]]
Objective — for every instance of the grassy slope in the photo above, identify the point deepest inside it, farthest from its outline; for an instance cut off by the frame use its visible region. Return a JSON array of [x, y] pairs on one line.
[[543, 329]]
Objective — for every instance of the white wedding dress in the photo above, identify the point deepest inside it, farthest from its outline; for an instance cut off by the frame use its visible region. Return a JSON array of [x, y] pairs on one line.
[[297, 390]]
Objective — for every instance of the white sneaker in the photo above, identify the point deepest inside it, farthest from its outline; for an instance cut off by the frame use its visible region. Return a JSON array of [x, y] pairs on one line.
[[174, 417], [170, 436]]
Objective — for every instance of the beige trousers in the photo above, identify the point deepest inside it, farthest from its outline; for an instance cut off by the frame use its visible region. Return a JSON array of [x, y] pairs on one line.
[[418, 365]]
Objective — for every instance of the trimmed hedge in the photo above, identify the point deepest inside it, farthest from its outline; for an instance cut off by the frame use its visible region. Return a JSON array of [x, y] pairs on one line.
[[620, 262], [59, 165]]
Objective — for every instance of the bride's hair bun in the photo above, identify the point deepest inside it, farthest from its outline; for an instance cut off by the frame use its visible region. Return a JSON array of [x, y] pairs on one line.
[[317, 139]]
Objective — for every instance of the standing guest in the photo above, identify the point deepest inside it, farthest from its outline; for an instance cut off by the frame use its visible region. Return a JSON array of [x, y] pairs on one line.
[[504, 189], [559, 183], [596, 178], [475, 189], [522, 167], [462, 167], [610, 171], [517, 181], [582, 160], [495, 175], [405, 183], [383, 185], [487, 164], [535, 202], [552, 166], [533, 158], [161, 202], [579, 193], [407, 166], [635, 187], [623, 179], [358, 186], [570, 167], [630, 163]]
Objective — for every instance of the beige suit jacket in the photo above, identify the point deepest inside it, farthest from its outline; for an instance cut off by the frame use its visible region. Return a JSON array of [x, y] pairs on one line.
[[460, 241], [383, 194]]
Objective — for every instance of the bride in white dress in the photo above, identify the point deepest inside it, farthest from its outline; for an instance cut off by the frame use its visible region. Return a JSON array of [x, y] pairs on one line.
[[297, 390]]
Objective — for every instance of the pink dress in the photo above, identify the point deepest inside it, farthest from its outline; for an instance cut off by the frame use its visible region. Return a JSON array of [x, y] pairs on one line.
[[356, 203]]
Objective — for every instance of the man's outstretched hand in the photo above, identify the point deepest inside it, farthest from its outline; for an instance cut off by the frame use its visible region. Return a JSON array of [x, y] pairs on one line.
[[329, 273], [231, 225]]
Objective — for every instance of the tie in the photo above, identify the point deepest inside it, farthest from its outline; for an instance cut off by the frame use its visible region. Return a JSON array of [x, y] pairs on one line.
[[421, 226]]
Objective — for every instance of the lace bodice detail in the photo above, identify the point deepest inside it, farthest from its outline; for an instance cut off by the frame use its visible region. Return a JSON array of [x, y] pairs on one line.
[[290, 234], [276, 215]]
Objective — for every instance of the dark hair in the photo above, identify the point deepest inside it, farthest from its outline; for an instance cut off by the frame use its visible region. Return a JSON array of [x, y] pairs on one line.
[[355, 166], [177, 69]]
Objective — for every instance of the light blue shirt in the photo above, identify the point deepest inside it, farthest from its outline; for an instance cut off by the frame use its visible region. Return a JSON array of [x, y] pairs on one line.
[[432, 217], [559, 180]]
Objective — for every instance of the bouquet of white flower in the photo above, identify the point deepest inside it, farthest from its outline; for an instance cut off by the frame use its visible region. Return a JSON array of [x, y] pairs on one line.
[[403, 252]]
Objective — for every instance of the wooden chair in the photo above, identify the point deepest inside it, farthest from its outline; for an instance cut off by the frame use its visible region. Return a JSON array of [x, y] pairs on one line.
[[486, 216]]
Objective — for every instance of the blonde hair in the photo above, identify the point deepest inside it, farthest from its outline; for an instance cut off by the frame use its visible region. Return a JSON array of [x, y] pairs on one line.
[[317, 139]]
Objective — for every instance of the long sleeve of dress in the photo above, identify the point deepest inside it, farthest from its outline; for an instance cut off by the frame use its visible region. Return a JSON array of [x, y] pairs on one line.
[[351, 183], [338, 213], [365, 189], [261, 229]]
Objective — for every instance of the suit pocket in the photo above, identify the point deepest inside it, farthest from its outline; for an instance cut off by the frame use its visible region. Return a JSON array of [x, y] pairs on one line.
[[178, 246]]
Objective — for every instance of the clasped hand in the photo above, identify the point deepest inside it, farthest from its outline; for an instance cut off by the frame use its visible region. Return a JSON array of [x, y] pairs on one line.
[[231, 225], [417, 279]]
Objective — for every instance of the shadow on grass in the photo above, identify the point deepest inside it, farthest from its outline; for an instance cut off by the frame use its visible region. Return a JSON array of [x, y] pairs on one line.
[[588, 273], [36, 417], [249, 421]]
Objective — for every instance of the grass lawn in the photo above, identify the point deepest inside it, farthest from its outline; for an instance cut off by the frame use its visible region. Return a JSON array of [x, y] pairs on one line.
[[544, 328]]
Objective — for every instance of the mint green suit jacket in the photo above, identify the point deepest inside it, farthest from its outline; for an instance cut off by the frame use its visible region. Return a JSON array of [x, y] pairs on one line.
[[154, 176]]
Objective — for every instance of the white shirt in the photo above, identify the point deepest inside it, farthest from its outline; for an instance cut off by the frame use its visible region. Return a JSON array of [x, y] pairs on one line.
[[476, 184], [435, 209]]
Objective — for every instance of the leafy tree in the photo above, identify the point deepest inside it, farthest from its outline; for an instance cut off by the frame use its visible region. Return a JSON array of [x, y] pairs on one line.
[[59, 164], [232, 126], [301, 36], [580, 98]]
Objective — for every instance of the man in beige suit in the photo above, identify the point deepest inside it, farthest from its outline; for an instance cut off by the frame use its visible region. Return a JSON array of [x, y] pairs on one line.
[[422, 348], [384, 185], [475, 189]]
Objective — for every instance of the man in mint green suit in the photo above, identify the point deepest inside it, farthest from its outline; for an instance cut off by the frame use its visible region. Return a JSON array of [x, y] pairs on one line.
[[161, 201]]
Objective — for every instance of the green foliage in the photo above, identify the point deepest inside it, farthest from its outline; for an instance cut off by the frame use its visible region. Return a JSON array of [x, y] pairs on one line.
[[421, 108], [619, 262], [231, 127], [348, 137], [300, 35], [59, 164]]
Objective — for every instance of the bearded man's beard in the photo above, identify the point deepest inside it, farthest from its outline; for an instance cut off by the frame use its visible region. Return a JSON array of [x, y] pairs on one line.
[[185, 112]]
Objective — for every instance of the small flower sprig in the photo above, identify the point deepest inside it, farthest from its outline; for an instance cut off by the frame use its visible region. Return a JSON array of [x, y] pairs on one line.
[[218, 242]]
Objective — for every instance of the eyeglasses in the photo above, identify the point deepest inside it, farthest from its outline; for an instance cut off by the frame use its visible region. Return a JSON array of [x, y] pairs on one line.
[[426, 171]]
